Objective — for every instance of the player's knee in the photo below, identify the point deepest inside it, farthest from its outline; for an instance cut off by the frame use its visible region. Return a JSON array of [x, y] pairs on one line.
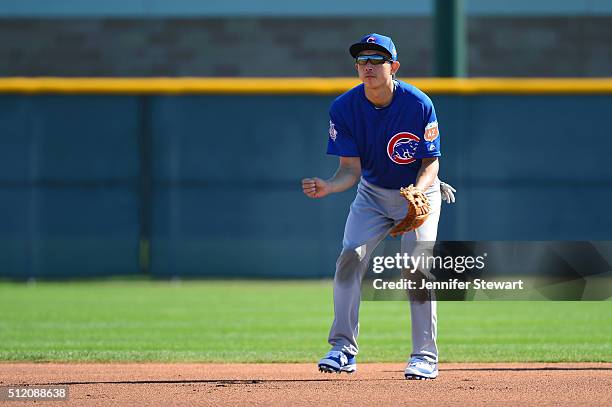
[[347, 266], [420, 295]]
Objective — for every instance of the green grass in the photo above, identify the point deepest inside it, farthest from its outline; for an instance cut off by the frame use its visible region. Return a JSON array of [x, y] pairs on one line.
[[275, 321]]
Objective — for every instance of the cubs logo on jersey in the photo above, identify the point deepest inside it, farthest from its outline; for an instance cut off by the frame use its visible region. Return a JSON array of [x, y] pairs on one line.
[[402, 147]]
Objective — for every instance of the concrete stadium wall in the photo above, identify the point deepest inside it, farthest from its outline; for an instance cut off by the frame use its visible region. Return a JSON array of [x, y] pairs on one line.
[[213, 182], [185, 8], [293, 46]]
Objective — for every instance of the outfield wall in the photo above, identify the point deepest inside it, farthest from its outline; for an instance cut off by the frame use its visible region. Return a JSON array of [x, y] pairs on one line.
[[200, 181]]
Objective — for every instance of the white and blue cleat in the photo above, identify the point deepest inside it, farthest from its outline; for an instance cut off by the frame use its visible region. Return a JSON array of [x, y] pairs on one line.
[[420, 369], [338, 362]]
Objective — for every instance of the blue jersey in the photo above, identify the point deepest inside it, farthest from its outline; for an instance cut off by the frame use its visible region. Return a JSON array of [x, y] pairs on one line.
[[389, 141]]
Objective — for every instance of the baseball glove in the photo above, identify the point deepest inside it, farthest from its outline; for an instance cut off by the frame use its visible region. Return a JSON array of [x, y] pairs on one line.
[[418, 211]]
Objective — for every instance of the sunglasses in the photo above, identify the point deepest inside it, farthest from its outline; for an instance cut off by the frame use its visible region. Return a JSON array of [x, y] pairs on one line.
[[374, 59]]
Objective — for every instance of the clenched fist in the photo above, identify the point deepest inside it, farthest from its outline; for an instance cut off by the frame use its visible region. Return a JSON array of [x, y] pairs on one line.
[[315, 187]]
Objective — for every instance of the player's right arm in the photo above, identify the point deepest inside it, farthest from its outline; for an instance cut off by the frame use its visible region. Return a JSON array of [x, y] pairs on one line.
[[347, 174]]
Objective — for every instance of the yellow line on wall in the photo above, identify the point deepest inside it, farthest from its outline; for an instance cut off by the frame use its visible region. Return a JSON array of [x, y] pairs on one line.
[[314, 86]]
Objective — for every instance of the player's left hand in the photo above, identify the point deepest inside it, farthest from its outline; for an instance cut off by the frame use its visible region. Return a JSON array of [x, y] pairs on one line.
[[448, 192], [418, 211]]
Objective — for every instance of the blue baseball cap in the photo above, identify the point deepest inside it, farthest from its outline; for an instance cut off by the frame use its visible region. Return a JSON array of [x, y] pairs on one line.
[[376, 42]]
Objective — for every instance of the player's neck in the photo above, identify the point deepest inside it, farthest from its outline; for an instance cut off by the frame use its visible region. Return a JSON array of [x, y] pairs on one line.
[[380, 96]]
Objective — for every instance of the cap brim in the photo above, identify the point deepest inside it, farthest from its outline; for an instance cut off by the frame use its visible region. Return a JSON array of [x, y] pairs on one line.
[[355, 49]]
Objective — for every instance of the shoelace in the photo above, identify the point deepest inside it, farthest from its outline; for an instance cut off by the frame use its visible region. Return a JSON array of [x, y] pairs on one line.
[[339, 355], [421, 363]]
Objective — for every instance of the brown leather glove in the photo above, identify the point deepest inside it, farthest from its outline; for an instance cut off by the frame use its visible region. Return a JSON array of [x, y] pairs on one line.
[[418, 211]]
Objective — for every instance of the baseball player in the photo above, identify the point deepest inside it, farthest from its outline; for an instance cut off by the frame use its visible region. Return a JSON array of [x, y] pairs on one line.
[[385, 133]]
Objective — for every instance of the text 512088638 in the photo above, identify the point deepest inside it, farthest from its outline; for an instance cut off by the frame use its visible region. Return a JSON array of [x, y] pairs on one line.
[[34, 393]]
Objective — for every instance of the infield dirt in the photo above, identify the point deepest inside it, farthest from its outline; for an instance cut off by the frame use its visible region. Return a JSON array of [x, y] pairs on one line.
[[540, 384]]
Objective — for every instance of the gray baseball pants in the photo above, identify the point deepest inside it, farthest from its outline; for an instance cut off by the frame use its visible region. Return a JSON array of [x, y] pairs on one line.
[[373, 213]]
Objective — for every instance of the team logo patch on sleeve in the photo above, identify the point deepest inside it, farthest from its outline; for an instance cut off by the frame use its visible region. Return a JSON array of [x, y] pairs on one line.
[[333, 133], [402, 148], [431, 131]]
